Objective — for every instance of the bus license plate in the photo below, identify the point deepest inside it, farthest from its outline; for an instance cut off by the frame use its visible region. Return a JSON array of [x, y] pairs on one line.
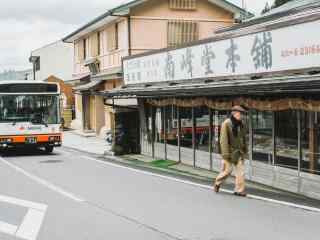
[[31, 140]]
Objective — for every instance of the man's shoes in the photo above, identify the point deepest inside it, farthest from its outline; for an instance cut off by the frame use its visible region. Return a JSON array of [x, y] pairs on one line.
[[216, 188], [240, 194]]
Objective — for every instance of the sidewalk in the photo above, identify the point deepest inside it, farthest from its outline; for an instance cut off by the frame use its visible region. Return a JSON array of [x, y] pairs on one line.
[[89, 144], [98, 147]]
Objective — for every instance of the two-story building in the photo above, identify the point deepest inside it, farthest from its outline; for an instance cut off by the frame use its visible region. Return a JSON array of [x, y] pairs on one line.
[[133, 28]]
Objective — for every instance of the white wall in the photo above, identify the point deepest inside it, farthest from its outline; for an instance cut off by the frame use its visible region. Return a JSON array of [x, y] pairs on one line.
[[55, 59]]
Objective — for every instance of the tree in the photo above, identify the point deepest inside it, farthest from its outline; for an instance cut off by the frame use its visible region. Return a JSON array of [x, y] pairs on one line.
[[278, 3]]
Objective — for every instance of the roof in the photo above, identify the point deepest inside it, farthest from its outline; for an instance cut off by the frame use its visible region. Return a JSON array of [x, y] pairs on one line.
[[286, 11], [124, 10], [47, 45], [227, 87], [88, 86], [112, 73]]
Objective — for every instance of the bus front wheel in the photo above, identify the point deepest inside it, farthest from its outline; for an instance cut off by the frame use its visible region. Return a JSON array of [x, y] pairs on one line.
[[49, 149]]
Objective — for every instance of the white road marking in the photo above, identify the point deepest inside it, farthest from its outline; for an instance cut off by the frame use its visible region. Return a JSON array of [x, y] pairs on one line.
[[43, 182], [255, 197], [31, 225], [23, 203], [32, 221], [8, 228]]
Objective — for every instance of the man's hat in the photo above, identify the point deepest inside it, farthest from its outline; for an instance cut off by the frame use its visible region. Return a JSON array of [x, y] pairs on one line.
[[238, 109]]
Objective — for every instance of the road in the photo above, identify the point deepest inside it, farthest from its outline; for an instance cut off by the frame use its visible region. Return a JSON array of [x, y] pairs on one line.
[[70, 195]]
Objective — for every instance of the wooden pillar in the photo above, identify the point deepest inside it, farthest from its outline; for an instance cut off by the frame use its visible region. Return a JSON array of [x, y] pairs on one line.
[[86, 111]]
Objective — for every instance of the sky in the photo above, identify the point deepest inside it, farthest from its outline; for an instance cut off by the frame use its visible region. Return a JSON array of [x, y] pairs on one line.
[[28, 25]]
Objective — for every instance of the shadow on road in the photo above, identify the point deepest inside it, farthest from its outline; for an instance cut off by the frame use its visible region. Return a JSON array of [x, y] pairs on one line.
[[22, 152]]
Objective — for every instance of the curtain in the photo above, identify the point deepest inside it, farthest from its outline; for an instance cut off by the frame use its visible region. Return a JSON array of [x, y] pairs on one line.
[[280, 104]]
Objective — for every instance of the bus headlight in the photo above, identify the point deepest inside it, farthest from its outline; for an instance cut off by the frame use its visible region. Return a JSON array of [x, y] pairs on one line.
[[9, 140]]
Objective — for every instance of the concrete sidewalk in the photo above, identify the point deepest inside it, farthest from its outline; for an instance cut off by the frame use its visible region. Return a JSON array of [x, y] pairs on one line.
[[90, 144]]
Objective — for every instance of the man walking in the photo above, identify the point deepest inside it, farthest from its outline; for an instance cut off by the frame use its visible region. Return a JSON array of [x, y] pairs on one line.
[[233, 150]]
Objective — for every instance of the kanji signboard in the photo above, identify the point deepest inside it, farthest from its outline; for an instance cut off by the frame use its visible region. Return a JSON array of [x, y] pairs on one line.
[[292, 47]]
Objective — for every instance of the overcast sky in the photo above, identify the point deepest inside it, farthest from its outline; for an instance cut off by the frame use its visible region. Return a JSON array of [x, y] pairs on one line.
[[27, 25]]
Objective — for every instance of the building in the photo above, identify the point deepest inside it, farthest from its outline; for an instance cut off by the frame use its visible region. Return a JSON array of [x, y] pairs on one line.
[[54, 63], [133, 28], [270, 65], [55, 59]]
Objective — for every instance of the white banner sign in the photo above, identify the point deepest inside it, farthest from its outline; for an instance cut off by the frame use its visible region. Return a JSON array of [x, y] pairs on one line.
[[293, 47]]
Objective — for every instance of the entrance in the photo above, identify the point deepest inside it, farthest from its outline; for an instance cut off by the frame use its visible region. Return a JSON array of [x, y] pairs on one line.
[[127, 131]]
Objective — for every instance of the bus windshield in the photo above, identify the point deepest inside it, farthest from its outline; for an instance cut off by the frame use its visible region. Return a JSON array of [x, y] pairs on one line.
[[37, 109]]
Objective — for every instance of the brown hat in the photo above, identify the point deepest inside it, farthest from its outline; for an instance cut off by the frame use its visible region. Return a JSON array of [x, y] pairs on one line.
[[238, 109]]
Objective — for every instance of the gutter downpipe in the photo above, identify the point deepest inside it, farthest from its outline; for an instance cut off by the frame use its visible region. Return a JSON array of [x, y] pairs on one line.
[[129, 35], [129, 30]]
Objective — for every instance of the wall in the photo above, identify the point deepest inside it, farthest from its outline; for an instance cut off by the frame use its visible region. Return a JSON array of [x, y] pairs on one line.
[[149, 22], [149, 30], [55, 59], [77, 123], [108, 59]]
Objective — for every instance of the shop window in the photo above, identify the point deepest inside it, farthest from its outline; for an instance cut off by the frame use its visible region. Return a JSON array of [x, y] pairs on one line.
[[186, 127], [159, 125], [113, 38], [148, 119], [84, 54], [287, 152], [99, 43], [218, 118], [180, 32], [262, 124], [172, 125], [310, 139], [202, 118]]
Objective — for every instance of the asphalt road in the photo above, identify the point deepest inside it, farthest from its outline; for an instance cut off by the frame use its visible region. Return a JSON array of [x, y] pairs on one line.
[[70, 195]]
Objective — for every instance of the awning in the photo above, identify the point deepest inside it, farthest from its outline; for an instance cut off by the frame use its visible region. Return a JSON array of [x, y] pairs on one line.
[[110, 74], [301, 84], [86, 87], [83, 79]]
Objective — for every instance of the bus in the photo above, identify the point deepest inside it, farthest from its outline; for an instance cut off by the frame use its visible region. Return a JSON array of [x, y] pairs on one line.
[[30, 115]]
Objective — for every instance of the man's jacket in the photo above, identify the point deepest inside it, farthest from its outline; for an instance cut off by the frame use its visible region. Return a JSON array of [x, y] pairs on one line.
[[233, 147]]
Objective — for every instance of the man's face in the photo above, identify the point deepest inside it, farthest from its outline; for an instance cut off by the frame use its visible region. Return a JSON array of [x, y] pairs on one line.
[[237, 115]]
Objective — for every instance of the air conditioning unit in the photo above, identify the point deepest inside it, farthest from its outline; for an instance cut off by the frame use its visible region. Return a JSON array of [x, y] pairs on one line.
[[94, 65]]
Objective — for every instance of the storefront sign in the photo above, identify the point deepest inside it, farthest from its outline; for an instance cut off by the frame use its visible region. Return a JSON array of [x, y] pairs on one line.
[[293, 47]]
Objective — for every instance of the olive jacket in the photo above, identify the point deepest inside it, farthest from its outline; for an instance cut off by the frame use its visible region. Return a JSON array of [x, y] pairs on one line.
[[233, 147]]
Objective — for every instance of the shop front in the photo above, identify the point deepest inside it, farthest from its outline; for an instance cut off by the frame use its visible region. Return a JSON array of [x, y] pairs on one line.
[[185, 94]]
